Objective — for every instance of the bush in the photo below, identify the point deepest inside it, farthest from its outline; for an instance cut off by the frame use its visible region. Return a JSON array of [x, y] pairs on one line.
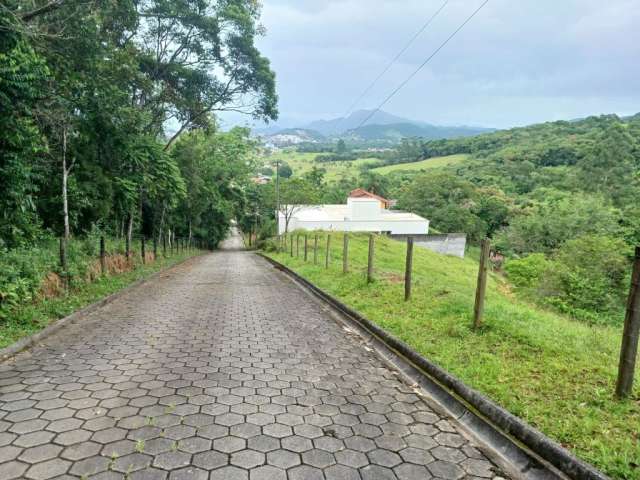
[[590, 278], [527, 272]]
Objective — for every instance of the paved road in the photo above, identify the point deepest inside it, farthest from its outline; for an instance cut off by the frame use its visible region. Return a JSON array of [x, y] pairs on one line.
[[219, 369]]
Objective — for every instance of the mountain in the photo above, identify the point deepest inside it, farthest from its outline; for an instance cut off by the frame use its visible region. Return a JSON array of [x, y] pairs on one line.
[[394, 132], [340, 125]]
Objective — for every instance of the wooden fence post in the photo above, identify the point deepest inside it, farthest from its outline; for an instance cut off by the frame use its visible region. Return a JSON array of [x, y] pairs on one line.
[[127, 247], [291, 244], [481, 287], [370, 260], [155, 247], [345, 253], [143, 252], [315, 250], [408, 269], [306, 249], [164, 245], [284, 235], [297, 246], [103, 256], [631, 332], [326, 258]]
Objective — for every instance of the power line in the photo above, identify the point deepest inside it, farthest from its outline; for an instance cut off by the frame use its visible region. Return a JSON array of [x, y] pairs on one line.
[[415, 72], [393, 61]]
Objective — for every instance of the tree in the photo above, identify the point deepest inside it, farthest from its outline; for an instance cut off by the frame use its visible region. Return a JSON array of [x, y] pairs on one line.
[[295, 194], [22, 73], [341, 147], [375, 183], [556, 218], [200, 58], [315, 176], [285, 171], [453, 204]]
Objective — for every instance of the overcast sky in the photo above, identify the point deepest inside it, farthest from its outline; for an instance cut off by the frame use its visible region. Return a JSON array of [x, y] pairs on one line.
[[517, 62]]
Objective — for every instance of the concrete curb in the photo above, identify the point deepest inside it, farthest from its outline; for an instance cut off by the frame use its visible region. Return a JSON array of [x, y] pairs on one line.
[[517, 446], [26, 342]]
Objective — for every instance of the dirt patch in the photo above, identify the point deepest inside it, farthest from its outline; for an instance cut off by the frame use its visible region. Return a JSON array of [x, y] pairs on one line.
[[52, 286]]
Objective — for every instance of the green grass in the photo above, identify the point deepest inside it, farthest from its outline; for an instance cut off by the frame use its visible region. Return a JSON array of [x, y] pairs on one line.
[[31, 318], [428, 164], [301, 163], [555, 373]]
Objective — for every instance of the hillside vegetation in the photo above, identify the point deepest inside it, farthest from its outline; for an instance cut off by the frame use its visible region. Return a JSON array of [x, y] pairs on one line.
[[556, 373], [427, 164]]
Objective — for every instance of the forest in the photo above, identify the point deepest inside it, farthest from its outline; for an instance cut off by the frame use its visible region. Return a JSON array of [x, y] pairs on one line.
[[108, 120]]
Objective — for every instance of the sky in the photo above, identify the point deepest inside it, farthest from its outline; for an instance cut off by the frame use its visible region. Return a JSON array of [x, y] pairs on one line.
[[516, 62]]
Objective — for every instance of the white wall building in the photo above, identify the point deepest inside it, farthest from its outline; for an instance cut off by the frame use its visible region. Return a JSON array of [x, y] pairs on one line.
[[362, 213]]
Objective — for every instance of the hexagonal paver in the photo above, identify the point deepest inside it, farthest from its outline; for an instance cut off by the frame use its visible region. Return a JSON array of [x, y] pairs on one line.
[[172, 460], [318, 458], [247, 459], [90, 466], [444, 469], [283, 458], [305, 472], [229, 444], [210, 460], [229, 473], [12, 470], [341, 472]]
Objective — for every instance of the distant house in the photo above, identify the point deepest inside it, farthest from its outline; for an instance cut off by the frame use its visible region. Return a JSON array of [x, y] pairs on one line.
[[363, 212]]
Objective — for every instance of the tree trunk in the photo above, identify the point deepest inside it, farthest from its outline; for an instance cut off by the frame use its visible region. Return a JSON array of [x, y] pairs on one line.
[[65, 181], [130, 230]]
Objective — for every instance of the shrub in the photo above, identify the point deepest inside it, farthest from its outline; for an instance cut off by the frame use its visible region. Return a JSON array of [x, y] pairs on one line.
[[528, 271], [590, 278]]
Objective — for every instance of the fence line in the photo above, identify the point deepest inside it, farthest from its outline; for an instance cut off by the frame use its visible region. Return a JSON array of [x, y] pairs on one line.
[[631, 333]]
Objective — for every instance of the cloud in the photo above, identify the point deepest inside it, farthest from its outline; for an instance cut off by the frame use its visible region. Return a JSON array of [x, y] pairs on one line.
[[514, 63]]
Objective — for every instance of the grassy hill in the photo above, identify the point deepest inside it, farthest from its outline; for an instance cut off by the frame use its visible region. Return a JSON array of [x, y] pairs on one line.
[[428, 164], [556, 373], [303, 162]]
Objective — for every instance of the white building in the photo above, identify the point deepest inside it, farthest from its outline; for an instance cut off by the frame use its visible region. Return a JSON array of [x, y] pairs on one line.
[[364, 212]]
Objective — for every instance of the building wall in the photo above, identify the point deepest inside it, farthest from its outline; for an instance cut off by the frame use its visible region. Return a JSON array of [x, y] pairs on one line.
[[396, 228], [447, 244]]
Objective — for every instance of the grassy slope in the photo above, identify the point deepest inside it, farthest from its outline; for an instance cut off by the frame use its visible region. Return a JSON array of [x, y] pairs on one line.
[[32, 318], [303, 162], [430, 163], [555, 373]]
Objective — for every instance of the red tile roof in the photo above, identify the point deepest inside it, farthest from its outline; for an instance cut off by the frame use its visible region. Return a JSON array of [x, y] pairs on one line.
[[361, 192]]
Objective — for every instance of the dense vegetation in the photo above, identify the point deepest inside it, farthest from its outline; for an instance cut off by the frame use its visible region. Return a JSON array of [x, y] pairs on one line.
[[559, 201], [556, 373], [108, 123]]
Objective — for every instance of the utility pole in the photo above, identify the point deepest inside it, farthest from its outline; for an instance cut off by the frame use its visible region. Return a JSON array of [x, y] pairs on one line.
[[277, 197]]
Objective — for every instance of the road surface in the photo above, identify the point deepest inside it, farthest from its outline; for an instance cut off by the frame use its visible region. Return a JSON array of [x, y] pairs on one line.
[[220, 368]]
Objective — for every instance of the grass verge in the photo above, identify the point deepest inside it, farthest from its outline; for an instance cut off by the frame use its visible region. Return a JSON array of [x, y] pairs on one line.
[[31, 318], [555, 373]]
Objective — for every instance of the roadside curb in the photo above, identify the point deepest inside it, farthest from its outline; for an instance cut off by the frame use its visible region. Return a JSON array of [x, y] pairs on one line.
[[525, 451], [24, 343]]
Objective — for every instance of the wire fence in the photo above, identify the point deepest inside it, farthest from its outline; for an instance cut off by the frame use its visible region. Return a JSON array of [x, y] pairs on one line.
[[298, 244]]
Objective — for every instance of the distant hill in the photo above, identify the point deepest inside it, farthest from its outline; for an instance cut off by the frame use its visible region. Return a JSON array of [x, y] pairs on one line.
[[397, 131], [381, 129], [337, 126]]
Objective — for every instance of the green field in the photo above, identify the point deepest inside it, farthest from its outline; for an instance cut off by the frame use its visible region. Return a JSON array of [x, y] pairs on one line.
[[556, 373], [428, 164], [301, 163]]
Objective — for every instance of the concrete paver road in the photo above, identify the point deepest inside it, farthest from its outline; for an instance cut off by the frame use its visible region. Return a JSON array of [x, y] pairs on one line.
[[222, 369]]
